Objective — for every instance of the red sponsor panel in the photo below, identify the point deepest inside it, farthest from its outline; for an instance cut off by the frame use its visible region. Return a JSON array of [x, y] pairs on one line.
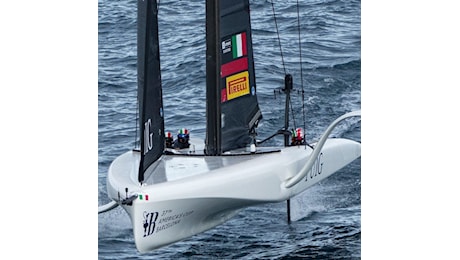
[[234, 67]]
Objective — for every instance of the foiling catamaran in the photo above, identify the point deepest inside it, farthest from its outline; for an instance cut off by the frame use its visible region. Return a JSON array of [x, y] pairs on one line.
[[173, 194]]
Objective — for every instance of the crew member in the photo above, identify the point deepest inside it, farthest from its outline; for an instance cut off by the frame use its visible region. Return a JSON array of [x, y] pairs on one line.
[[183, 137], [297, 137], [169, 140]]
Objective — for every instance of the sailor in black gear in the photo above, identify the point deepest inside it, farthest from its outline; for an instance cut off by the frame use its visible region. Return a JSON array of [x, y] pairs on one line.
[[183, 137]]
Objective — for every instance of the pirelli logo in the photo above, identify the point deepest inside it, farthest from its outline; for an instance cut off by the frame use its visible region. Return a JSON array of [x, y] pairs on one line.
[[237, 85]]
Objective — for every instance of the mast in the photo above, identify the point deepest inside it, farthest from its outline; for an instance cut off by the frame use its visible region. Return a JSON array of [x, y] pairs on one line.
[[213, 108], [287, 90], [151, 121]]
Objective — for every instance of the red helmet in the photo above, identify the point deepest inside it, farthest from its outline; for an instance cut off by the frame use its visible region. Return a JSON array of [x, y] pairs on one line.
[[298, 134]]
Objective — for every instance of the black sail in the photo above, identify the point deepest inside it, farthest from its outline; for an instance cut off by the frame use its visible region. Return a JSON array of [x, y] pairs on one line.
[[151, 121], [240, 111], [232, 108]]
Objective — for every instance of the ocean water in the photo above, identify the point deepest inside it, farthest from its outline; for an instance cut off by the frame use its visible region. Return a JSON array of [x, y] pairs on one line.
[[327, 216]]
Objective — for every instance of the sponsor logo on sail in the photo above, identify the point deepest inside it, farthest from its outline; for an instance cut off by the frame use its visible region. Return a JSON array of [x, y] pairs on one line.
[[227, 46], [234, 67], [148, 136], [237, 85]]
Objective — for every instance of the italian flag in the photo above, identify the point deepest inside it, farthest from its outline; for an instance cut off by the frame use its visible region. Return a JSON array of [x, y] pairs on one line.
[[239, 45], [144, 197]]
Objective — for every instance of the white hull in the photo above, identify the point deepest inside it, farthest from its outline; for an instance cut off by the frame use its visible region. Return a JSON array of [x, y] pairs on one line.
[[186, 195]]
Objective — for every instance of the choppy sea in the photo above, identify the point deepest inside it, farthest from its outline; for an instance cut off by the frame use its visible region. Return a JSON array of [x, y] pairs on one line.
[[328, 216]]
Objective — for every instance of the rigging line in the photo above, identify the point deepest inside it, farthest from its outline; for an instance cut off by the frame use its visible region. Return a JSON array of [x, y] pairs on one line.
[[279, 40], [301, 71]]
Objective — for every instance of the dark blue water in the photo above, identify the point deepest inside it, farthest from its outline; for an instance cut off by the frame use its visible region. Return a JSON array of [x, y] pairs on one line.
[[328, 216]]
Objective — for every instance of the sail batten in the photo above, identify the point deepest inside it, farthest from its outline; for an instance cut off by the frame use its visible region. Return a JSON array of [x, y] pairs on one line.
[[151, 120]]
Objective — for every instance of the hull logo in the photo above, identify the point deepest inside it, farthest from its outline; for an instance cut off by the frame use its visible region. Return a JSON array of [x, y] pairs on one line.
[[149, 222], [317, 167]]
